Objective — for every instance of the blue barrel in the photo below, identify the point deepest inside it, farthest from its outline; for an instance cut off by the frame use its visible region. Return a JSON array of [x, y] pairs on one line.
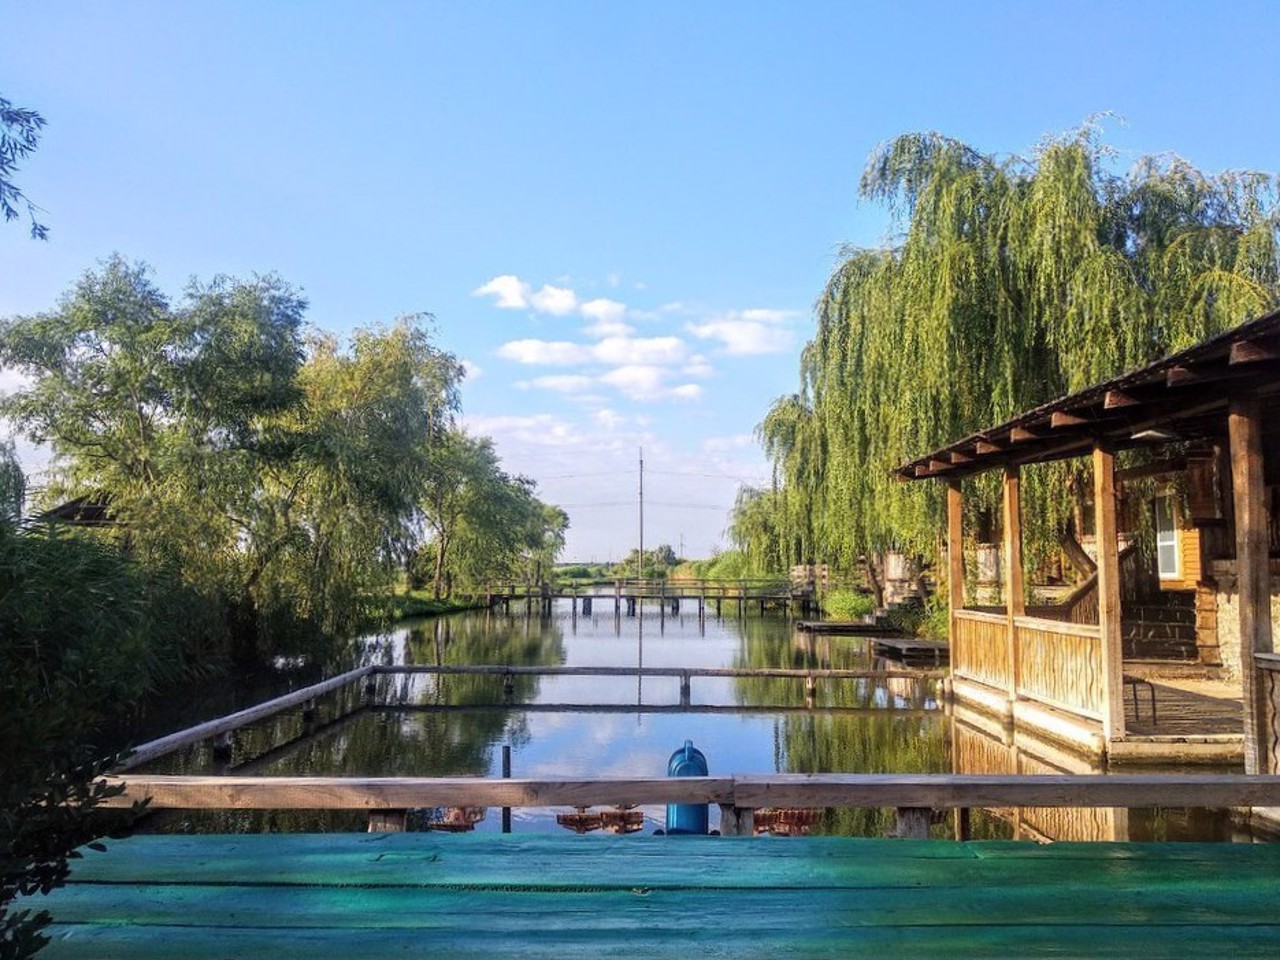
[[688, 761]]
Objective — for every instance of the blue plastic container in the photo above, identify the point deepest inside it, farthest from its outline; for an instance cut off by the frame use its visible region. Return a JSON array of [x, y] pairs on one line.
[[688, 761]]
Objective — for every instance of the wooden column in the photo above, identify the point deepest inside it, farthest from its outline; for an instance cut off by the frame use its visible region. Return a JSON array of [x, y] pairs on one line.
[[1108, 540], [1014, 601], [955, 552], [1252, 572]]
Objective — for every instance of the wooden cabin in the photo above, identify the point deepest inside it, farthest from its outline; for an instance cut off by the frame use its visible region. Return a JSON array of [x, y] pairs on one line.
[[1210, 418]]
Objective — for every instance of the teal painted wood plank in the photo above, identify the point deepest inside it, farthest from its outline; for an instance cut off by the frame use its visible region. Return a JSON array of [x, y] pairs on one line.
[[795, 941], [562, 896], [426, 860], [1095, 905]]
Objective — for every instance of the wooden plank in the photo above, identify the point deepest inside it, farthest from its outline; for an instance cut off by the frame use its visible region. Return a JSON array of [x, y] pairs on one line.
[[1118, 399], [941, 792], [1252, 351], [317, 896], [1014, 597], [955, 547], [157, 748], [1108, 541], [681, 936], [1060, 419], [936, 791], [1244, 426]]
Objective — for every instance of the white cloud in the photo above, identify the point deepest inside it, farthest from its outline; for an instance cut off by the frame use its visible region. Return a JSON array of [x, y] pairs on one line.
[[602, 308], [607, 316], [550, 352], [737, 441], [541, 429], [637, 381], [511, 292], [748, 332], [557, 301], [566, 383], [472, 370], [645, 350], [609, 419], [698, 366], [611, 351], [686, 391]]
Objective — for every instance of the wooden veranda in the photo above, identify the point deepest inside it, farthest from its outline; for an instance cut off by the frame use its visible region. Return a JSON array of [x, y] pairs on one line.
[[1067, 679]]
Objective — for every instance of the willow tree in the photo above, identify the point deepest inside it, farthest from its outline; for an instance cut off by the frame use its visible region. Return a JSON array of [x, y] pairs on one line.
[[1010, 281]]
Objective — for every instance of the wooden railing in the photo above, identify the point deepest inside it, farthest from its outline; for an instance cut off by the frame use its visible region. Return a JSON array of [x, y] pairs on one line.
[[738, 796], [1061, 664], [980, 648], [1058, 664]]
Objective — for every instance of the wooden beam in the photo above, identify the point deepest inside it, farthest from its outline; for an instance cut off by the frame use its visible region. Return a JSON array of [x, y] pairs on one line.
[[1117, 399], [955, 548], [1252, 351], [1022, 435], [921, 470], [1061, 419], [1182, 376], [156, 748], [1108, 564], [986, 448], [958, 457], [1014, 600], [1244, 425], [938, 466], [745, 792]]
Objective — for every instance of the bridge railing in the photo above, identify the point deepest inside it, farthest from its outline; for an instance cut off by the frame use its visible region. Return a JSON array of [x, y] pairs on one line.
[[914, 796]]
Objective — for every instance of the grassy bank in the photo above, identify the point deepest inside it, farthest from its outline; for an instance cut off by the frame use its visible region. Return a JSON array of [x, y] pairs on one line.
[[420, 603]]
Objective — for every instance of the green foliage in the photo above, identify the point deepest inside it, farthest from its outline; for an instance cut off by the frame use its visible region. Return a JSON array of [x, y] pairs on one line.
[[279, 475], [84, 635], [1010, 282], [656, 564], [485, 524], [19, 136], [848, 605]]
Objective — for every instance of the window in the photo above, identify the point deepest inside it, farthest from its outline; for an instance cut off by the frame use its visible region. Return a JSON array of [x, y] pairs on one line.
[[1166, 539]]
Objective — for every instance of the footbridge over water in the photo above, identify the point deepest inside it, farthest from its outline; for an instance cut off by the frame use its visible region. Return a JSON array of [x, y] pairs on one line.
[[628, 596]]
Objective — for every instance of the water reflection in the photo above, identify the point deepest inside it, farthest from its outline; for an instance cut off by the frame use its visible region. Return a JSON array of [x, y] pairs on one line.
[[565, 726]]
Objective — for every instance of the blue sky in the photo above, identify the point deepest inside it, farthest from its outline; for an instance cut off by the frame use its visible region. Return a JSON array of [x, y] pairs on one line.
[[620, 215]]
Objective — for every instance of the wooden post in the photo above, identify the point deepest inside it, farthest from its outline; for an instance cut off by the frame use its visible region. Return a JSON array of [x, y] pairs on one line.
[[387, 821], [737, 821], [1253, 577], [955, 553], [506, 775], [1108, 544], [1014, 604], [913, 823]]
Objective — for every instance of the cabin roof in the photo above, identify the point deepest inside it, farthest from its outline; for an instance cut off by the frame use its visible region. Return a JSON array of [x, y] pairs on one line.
[[1181, 397]]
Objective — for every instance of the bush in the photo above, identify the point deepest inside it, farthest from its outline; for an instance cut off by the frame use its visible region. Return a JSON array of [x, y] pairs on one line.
[[848, 605], [84, 635]]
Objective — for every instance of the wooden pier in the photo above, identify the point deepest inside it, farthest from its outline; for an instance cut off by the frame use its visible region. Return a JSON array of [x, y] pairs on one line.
[[557, 896], [671, 597]]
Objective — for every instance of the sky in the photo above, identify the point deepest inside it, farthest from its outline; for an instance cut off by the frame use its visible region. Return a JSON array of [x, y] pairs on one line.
[[619, 215]]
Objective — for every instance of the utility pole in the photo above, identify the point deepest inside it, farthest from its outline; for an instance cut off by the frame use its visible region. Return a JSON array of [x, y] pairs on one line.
[[640, 558]]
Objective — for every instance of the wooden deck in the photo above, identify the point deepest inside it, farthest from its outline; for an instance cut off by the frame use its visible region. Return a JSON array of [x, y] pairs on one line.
[[1185, 707], [321, 896]]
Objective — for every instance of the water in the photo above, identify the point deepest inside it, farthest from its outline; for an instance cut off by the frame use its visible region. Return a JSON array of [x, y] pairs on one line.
[[578, 727]]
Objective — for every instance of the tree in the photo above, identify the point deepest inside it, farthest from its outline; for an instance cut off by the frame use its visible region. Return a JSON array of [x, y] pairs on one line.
[[1012, 281], [277, 474], [19, 136], [484, 523]]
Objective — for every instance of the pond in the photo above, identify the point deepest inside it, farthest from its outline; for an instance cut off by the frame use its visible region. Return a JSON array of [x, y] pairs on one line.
[[571, 726]]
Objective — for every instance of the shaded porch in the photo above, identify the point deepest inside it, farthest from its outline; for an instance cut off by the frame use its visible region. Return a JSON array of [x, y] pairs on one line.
[[1062, 671]]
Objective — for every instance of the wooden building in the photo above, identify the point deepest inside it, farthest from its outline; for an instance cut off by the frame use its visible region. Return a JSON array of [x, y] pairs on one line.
[[1210, 417]]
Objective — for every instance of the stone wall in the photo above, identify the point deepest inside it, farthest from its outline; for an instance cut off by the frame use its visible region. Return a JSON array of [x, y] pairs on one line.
[[1228, 615]]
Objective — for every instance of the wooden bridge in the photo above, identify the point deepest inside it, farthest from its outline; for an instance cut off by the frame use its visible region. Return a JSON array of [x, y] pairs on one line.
[[670, 596], [316, 896]]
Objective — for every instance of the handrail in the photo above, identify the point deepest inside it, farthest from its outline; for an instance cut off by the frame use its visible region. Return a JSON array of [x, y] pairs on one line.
[[744, 791], [1090, 631], [498, 670]]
